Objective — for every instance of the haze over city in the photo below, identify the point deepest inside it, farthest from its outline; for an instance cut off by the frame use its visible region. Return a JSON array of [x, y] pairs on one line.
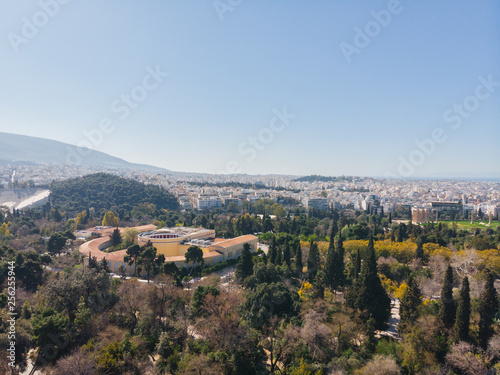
[[394, 89]]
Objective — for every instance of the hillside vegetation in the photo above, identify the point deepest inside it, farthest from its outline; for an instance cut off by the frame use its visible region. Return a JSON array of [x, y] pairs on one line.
[[106, 192]]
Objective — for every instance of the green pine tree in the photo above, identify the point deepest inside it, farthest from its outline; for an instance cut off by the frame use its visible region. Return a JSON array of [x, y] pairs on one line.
[[116, 237], [410, 303], [488, 308], [298, 260], [279, 256], [273, 251], [420, 249], [103, 265], [462, 320], [400, 233], [371, 341], [319, 286], [82, 317], [93, 262], [340, 280], [334, 229], [312, 261], [287, 255], [447, 308], [357, 268], [367, 294], [244, 267], [331, 264], [355, 265]]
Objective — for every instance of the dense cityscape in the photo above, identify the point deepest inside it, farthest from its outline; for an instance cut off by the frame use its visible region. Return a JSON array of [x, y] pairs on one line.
[[205, 191]]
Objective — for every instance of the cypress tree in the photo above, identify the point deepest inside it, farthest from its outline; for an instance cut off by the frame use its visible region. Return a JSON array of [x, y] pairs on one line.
[[312, 261], [298, 260], [367, 294], [279, 256], [93, 262], [447, 308], [420, 249], [462, 320], [287, 255], [399, 234], [116, 237], [273, 251], [103, 265], [371, 341], [410, 302], [342, 223], [244, 268], [331, 265], [293, 226], [371, 246], [319, 286], [488, 308], [334, 230], [340, 262], [357, 268]]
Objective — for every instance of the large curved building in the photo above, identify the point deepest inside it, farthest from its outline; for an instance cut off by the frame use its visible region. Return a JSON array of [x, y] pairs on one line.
[[173, 243]]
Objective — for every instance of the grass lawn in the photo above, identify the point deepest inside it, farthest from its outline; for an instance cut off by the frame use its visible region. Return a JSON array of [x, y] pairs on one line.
[[477, 224]]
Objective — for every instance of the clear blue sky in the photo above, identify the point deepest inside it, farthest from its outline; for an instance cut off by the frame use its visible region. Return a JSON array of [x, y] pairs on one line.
[[227, 76]]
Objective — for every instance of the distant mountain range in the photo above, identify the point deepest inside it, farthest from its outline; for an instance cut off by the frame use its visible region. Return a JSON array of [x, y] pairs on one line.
[[23, 149]]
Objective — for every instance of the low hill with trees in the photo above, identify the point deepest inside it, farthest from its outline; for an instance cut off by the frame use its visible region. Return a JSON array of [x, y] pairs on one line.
[[104, 192]]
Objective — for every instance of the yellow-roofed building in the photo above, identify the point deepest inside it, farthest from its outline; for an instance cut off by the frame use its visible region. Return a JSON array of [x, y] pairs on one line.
[[172, 242]]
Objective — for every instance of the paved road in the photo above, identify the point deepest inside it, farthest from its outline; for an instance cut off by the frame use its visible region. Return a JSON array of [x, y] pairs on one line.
[[392, 331]]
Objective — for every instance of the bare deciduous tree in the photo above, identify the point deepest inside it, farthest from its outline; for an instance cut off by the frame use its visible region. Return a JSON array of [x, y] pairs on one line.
[[317, 335], [201, 365], [222, 324], [462, 357], [465, 263], [77, 363], [279, 340], [130, 302], [381, 365]]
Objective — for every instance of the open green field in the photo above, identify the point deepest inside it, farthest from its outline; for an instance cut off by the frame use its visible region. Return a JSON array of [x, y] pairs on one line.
[[477, 224]]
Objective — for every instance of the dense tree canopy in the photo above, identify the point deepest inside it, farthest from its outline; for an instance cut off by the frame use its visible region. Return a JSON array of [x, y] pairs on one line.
[[367, 293], [105, 192]]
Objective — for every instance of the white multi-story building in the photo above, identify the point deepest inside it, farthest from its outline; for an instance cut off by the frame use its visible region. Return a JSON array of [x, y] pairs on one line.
[[208, 203], [317, 203]]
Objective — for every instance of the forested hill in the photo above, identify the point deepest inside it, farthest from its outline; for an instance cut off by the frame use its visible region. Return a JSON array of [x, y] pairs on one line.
[[107, 192], [316, 177]]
